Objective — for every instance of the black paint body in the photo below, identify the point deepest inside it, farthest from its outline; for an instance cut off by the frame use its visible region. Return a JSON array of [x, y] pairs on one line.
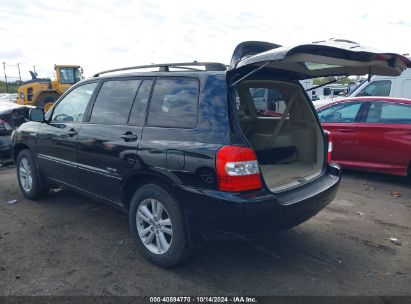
[[98, 162]]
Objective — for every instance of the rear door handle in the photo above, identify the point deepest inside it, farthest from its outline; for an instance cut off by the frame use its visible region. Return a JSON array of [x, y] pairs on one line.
[[128, 136], [72, 132]]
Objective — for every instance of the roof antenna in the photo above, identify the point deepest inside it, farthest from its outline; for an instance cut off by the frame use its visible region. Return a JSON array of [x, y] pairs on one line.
[[369, 74]]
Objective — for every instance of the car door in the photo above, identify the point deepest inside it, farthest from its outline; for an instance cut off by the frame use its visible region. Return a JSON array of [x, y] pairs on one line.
[[108, 140], [385, 137], [57, 137], [342, 120]]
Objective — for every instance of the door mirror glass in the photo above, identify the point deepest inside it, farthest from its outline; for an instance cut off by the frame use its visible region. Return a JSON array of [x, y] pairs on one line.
[[36, 114]]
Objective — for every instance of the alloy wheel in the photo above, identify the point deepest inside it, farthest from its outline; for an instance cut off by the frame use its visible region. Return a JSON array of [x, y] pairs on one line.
[[154, 226], [25, 174]]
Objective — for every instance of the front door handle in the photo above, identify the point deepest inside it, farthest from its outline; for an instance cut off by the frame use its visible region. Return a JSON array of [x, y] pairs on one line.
[[128, 136], [72, 132]]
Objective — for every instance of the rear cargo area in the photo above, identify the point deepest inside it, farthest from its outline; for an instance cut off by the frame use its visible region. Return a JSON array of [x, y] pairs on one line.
[[280, 126]]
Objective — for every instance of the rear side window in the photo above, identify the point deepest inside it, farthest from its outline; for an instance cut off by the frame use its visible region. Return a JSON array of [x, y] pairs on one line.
[[346, 112], [174, 103], [377, 88], [268, 102], [390, 113], [113, 102]]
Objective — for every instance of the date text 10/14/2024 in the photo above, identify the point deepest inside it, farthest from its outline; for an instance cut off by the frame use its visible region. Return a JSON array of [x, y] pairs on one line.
[[203, 299]]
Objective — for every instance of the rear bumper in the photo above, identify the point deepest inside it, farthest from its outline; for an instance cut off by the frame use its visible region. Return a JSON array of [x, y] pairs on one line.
[[213, 215]]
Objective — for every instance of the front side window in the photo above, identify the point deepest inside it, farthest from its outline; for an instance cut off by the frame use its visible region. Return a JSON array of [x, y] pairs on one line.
[[345, 112], [377, 88], [113, 102], [74, 104], [174, 103], [390, 113]]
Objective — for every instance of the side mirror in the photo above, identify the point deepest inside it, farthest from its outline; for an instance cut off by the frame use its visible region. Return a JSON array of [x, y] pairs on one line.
[[36, 114]]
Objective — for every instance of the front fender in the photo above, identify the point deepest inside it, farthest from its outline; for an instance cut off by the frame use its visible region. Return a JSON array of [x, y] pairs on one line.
[[24, 137]]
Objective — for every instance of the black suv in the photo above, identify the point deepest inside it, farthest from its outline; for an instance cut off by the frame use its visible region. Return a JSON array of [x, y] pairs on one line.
[[197, 151]]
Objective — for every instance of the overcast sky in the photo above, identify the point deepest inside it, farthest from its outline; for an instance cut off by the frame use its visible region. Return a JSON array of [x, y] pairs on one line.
[[100, 34]]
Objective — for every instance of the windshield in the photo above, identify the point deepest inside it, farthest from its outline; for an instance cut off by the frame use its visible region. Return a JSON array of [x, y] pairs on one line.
[[376, 88], [70, 75]]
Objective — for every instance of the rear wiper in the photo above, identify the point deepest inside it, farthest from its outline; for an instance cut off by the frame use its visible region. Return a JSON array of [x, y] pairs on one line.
[[324, 84]]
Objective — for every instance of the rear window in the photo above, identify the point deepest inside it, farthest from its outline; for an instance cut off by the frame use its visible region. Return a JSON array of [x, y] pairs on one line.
[[174, 103], [268, 102], [113, 102]]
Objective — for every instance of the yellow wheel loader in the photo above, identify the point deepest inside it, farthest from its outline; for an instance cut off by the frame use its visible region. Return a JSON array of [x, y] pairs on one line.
[[43, 92]]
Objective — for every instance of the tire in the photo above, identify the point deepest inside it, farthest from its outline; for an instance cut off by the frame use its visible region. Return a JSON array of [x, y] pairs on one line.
[[28, 177], [46, 100], [178, 249]]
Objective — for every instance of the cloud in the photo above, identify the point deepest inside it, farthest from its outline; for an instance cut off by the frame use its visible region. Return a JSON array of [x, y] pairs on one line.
[[11, 53], [401, 23], [101, 34]]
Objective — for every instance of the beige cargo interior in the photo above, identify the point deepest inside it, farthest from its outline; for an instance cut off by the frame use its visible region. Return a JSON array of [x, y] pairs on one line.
[[289, 143]]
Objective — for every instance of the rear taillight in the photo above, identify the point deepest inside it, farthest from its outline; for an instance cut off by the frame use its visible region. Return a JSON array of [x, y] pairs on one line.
[[237, 169], [330, 145]]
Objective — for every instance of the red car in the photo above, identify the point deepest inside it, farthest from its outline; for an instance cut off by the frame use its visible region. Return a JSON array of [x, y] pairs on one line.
[[370, 133]]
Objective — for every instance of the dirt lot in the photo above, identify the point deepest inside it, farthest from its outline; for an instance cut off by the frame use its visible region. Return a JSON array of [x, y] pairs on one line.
[[69, 245]]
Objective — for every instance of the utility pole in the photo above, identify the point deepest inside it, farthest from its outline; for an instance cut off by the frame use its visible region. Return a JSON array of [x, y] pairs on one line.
[[34, 69], [18, 67], [5, 77]]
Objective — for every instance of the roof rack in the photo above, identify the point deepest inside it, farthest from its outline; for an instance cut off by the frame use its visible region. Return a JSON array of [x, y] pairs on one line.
[[165, 67]]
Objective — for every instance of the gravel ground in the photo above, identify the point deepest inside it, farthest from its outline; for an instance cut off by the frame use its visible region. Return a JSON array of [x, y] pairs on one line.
[[67, 244]]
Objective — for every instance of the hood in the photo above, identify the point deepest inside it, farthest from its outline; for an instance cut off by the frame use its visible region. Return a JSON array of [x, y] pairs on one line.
[[6, 107]]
